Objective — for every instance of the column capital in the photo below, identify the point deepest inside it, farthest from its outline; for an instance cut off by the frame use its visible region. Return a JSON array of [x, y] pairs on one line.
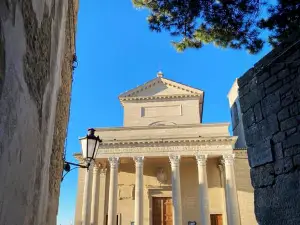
[[174, 160], [103, 171], [228, 159], [201, 159], [139, 160], [113, 162], [96, 168]]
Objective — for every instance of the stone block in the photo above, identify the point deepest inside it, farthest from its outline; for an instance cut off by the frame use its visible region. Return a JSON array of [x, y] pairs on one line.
[[296, 160], [262, 176], [284, 165], [287, 100], [289, 123], [271, 104], [273, 87], [277, 151], [285, 88], [276, 68], [260, 154], [291, 141], [251, 98], [278, 137], [291, 131], [257, 112], [248, 118], [283, 114], [295, 150], [270, 81], [279, 204], [252, 135], [283, 73], [261, 78], [269, 126], [294, 109], [244, 90], [289, 78]]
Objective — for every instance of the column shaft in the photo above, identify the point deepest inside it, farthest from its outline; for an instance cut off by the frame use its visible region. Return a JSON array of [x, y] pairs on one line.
[[84, 212], [232, 205], [176, 190], [94, 194], [222, 177], [102, 196], [113, 190], [139, 192], [203, 190]]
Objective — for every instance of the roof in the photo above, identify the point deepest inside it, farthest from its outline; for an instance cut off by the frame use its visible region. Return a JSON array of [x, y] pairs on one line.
[[161, 87]]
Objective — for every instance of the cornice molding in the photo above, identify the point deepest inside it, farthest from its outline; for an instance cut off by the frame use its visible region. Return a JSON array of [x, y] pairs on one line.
[[200, 125], [158, 80], [155, 97], [155, 142]]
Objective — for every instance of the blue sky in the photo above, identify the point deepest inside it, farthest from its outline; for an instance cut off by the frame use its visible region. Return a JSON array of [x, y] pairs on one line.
[[116, 52]]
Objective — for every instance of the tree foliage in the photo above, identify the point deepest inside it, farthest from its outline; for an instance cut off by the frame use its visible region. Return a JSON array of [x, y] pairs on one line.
[[235, 24]]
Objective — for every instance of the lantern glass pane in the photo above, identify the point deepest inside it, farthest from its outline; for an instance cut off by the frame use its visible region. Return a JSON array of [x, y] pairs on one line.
[[83, 147], [91, 147]]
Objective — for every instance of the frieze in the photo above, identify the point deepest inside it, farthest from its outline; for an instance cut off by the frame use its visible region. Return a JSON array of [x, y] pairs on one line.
[[163, 150]]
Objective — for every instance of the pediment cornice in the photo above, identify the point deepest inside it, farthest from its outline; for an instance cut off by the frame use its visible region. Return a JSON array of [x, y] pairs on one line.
[[189, 90], [155, 97]]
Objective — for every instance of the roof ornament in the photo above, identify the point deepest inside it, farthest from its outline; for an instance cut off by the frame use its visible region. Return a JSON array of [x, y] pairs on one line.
[[160, 74]]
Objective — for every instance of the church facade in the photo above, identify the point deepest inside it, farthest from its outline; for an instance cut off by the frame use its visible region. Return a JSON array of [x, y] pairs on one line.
[[164, 166]]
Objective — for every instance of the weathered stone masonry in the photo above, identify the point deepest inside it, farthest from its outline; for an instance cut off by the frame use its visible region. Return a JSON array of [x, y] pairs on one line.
[[37, 41], [270, 103]]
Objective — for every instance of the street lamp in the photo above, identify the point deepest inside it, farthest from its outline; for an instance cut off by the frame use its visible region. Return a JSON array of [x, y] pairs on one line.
[[89, 148]]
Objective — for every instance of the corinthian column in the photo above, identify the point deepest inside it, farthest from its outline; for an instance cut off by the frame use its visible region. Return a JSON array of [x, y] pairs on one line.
[[203, 189], [176, 191], [102, 195], [113, 190], [86, 188], [232, 205], [222, 177], [94, 194], [139, 196]]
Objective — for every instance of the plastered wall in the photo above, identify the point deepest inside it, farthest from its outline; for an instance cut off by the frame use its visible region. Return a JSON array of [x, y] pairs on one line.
[[36, 47]]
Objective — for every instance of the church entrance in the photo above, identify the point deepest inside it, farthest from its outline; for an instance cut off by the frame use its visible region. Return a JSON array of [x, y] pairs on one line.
[[162, 211]]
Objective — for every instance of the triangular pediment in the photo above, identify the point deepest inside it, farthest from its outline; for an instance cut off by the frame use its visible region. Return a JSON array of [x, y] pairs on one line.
[[161, 87]]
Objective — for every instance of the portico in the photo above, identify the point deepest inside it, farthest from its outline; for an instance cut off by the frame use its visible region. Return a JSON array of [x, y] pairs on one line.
[[163, 167]]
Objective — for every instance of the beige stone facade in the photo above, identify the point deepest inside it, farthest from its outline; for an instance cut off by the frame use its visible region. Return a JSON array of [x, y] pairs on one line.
[[165, 166]]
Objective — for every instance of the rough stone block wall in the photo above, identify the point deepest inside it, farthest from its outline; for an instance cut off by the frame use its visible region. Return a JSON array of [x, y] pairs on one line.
[[36, 49], [270, 103]]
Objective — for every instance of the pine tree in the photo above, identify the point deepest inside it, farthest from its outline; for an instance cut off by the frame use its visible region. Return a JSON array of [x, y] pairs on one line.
[[235, 24]]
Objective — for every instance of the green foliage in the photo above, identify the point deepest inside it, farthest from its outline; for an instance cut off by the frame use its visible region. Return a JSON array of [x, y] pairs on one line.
[[236, 24], [283, 20]]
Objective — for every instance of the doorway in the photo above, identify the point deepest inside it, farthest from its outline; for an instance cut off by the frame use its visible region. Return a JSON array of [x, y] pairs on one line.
[[162, 211]]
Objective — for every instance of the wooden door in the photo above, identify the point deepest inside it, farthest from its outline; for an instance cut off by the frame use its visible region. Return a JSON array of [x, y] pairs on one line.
[[162, 211], [216, 219]]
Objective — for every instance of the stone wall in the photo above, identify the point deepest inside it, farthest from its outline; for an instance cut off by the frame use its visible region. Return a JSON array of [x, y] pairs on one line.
[[36, 55], [270, 103]]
